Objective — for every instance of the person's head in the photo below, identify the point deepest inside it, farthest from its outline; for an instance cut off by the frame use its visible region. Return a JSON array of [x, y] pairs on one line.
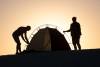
[[28, 28], [74, 19]]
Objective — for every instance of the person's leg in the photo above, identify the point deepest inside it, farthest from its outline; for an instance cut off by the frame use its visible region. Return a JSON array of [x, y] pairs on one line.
[[74, 43], [16, 38], [18, 45], [78, 43], [19, 48]]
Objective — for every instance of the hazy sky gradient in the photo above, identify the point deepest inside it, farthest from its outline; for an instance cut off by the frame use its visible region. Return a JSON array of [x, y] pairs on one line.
[[16, 13]]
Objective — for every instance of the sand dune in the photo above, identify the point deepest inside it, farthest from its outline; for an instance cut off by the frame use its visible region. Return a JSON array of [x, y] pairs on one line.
[[90, 57]]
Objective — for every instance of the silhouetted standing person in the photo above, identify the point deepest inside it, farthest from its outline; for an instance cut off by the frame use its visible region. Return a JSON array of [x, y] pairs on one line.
[[21, 31], [75, 30]]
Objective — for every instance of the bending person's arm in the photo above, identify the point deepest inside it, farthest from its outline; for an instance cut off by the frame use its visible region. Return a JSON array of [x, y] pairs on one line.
[[26, 38], [23, 37]]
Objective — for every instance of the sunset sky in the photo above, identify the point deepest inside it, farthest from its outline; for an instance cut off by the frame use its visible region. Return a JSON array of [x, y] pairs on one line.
[[16, 13]]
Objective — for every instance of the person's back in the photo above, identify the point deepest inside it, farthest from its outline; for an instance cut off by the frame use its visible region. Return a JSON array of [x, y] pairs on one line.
[[20, 31], [75, 29]]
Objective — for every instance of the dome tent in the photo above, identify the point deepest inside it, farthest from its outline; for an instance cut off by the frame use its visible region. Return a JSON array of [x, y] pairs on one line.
[[48, 39]]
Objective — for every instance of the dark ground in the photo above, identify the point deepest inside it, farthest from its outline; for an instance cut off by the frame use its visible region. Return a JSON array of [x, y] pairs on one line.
[[84, 58]]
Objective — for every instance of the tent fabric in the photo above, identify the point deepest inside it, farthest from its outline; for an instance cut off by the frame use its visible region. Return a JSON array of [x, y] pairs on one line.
[[48, 39]]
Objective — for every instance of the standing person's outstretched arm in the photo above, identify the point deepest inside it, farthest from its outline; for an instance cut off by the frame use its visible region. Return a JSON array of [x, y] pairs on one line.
[[68, 30]]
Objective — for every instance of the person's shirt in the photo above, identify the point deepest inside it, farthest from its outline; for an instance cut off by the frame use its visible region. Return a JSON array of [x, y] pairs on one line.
[[20, 31], [75, 29]]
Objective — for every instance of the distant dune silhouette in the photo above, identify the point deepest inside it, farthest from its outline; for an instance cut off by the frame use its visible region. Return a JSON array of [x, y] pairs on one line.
[[84, 58]]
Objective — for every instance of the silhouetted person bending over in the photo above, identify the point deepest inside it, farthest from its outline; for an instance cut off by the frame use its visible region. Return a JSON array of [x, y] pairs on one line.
[[75, 30], [21, 31]]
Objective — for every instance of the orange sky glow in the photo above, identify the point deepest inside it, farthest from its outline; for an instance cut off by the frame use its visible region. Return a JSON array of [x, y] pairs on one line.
[[16, 13]]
